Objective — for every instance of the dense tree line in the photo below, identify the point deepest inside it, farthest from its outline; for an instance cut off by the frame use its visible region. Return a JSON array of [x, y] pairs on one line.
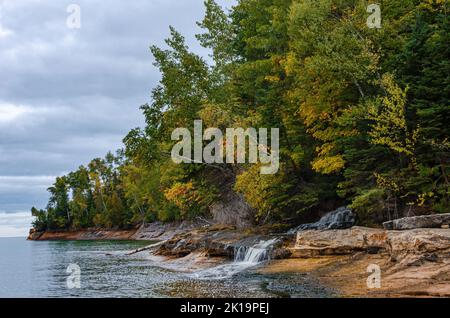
[[363, 116]]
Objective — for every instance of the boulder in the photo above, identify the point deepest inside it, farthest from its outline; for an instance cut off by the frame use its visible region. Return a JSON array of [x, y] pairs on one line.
[[418, 222], [342, 218]]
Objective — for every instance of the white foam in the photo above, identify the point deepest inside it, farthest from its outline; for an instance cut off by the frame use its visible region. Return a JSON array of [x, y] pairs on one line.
[[245, 257]]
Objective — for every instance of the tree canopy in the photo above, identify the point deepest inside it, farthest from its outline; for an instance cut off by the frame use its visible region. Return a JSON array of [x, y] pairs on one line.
[[363, 115]]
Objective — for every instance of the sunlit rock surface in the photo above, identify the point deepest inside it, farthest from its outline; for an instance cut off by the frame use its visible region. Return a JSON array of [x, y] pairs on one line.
[[358, 239], [417, 222]]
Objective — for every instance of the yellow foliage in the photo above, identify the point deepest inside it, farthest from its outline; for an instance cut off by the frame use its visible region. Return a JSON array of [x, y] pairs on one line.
[[385, 183], [423, 197], [271, 78], [389, 126], [183, 195], [329, 165], [257, 188], [325, 149]]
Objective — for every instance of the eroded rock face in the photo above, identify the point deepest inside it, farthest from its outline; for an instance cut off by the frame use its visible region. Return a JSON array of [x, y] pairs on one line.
[[417, 222], [164, 231], [34, 235], [342, 218], [233, 210], [398, 244], [211, 244]]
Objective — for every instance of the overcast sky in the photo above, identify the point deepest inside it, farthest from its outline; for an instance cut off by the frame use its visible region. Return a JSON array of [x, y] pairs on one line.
[[70, 95]]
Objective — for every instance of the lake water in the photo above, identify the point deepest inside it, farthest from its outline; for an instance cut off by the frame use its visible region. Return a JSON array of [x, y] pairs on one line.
[[39, 269]]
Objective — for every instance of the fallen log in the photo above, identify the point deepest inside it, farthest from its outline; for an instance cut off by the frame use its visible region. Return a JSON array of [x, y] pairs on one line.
[[146, 248]]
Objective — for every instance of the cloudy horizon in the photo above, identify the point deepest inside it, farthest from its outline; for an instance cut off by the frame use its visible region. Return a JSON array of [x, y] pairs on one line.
[[70, 95]]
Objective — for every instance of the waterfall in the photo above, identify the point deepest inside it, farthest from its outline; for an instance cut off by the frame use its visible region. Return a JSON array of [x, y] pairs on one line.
[[244, 257], [253, 254], [342, 218]]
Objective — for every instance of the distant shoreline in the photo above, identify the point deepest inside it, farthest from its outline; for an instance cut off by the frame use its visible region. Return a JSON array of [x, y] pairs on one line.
[[147, 232], [83, 235]]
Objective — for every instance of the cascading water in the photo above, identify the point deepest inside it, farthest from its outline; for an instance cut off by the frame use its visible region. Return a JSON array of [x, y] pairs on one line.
[[244, 258], [254, 254], [340, 219]]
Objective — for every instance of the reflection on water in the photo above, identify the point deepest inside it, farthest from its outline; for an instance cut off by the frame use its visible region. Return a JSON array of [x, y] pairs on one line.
[[38, 269]]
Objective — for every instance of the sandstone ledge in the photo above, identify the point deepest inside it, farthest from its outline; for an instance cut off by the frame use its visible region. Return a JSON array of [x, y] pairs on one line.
[[413, 263], [396, 244]]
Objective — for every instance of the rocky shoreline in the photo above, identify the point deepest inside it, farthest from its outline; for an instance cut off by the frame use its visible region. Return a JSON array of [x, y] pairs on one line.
[[146, 232], [412, 263]]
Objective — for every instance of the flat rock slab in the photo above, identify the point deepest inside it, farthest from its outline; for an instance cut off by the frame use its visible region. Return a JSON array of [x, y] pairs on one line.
[[419, 222], [398, 244]]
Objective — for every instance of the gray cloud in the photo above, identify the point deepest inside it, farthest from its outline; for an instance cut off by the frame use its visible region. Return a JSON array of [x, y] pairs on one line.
[[67, 96], [15, 224]]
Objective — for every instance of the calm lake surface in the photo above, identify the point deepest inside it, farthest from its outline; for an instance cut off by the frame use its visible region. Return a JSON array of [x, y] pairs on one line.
[[39, 269]]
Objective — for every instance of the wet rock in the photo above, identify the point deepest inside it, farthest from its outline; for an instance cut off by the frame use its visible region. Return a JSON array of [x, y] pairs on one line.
[[175, 248], [217, 249], [280, 253], [418, 222], [210, 243], [388, 225], [342, 218]]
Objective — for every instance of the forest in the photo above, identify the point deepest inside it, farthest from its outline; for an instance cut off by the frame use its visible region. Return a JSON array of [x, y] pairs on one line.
[[362, 113]]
